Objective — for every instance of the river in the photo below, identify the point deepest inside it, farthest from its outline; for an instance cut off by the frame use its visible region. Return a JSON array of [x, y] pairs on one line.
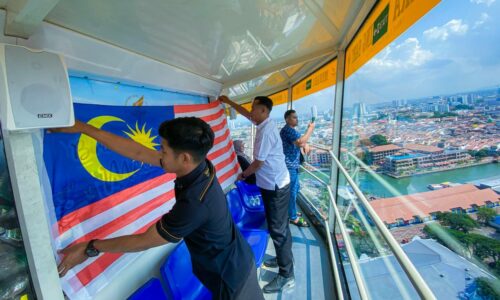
[[418, 183]]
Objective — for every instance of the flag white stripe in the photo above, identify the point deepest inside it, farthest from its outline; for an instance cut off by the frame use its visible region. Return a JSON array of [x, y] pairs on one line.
[[212, 123], [221, 158], [97, 221], [221, 145], [227, 168], [199, 113], [228, 182], [131, 227], [217, 121], [220, 132]]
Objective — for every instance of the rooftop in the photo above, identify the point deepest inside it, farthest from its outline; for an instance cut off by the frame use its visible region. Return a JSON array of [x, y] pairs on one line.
[[422, 148], [444, 271], [423, 204], [383, 148]]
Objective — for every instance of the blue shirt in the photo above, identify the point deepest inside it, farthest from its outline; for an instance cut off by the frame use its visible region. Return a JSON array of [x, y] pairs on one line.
[[292, 152]]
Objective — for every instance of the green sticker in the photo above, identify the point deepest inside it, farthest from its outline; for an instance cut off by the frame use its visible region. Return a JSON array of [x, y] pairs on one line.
[[308, 84], [380, 25]]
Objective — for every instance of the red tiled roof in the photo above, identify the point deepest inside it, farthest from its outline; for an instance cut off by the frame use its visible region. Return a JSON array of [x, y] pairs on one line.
[[385, 148], [423, 204], [423, 148]]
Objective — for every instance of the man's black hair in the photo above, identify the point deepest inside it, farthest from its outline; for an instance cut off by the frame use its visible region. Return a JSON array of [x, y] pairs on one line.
[[189, 134], [263, 100], [289, 112]]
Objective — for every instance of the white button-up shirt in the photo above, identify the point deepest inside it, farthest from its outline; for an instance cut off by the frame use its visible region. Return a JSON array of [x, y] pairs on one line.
[[269, 149]]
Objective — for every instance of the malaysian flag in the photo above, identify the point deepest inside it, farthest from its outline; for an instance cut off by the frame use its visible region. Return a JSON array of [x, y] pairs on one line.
[[99, 194]]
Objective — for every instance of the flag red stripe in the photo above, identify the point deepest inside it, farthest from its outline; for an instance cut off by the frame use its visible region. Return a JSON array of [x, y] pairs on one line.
[[225, 162], [219, 126], [194, 107], [221, 151], [87, 274], [222, 137], [124, 220], [213, 116], [91, 210], [228, 174]]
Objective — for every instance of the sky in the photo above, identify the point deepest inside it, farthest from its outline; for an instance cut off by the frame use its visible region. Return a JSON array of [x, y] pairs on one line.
[[453, 48]]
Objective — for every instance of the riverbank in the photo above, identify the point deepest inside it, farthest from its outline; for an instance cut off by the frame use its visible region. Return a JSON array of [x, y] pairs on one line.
[[409, 185], [436, 171]]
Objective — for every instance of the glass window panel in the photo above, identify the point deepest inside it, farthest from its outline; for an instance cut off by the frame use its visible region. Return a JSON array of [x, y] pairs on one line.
[[420, 137]]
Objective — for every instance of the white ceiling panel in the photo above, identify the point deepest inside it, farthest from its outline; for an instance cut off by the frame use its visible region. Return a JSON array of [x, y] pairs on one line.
[[224, 40]]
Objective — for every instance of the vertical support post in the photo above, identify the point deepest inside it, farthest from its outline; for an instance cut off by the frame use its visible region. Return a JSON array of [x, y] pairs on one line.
[[337, 125], [290, 100], [28, 195]]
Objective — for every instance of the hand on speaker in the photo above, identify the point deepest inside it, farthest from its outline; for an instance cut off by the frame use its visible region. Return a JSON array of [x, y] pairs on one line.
[[77, 128]]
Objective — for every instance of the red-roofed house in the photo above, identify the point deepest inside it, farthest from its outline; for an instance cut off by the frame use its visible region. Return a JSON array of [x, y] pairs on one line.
[[423, 148], [419, 207]]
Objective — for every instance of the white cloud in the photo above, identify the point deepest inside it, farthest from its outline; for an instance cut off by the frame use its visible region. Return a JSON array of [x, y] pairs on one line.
[[453, 27], [408, 54], [484, 17], [487, 2]]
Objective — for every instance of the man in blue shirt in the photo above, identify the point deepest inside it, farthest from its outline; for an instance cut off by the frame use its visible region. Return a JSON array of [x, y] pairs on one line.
[[292, 144]]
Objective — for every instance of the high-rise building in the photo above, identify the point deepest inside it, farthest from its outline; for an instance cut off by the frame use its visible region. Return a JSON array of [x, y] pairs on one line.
[[443, 108], [360, 112]]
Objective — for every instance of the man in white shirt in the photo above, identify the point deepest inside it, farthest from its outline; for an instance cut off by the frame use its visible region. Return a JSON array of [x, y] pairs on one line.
[[274, 183]]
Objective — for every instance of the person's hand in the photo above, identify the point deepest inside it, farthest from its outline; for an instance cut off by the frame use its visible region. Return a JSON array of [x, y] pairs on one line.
[[311, 125], [77, 128], [73, 255], [307, 149], [240, 177], [223, 99]]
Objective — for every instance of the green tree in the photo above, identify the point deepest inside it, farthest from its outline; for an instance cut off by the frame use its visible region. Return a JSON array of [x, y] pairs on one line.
[[457, 221], [482, 153], [354, 223], [485, 289], [472, 152], [484, 247], [443, 115], [382, 116], [378, 139], [485, 214], [463, 106]]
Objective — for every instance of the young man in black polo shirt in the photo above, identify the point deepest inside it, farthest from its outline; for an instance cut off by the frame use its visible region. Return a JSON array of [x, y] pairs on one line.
[[221, 258]]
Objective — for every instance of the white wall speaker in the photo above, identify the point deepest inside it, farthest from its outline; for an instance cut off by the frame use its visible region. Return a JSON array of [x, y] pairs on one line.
[[34, 89]]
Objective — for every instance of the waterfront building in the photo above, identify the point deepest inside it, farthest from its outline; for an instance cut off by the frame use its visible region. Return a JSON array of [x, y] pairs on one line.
[[422, 158], [319, 158], [377, 154]]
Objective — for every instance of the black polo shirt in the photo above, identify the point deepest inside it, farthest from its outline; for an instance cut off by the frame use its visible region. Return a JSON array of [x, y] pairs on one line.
[[220, 256]]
